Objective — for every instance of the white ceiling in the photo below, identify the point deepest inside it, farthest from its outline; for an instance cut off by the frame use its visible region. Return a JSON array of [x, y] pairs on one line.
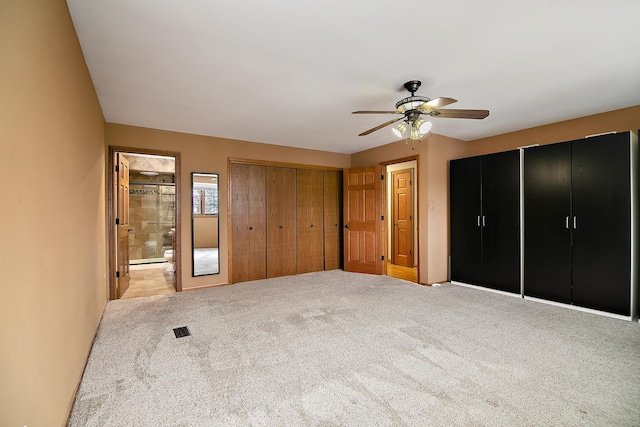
[[291, 72]]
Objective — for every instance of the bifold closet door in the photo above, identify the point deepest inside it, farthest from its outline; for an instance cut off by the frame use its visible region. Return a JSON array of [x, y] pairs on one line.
[[465, 207], [601, 193], [332, 220], [547, 222], [281, 221], [248, 222], [310, 189], [501, 221]]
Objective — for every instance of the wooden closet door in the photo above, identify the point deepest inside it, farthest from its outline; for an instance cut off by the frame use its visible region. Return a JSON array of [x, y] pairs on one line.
[[332, 220], [281, 221], [310, 188], [248, 222]]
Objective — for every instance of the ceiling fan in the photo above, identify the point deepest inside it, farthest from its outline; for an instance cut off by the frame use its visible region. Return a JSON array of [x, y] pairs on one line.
[[413, 107]]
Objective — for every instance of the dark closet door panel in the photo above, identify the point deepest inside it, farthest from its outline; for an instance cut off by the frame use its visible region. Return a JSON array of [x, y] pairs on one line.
[[465, 202], [601, 184], [547, 204], [501, 221]]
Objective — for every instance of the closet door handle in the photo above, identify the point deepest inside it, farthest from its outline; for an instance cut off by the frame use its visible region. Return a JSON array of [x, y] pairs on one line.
[[250, 228], [575, 222], [346, 226], [566, 223], [484, 222], [478, 220], [280, 227]]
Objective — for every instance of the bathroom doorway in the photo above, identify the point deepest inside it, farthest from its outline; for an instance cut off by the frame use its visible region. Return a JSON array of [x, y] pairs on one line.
[[144, 212], [402, 210]]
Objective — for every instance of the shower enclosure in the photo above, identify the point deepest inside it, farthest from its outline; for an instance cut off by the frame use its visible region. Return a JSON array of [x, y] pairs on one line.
[[152, 219]]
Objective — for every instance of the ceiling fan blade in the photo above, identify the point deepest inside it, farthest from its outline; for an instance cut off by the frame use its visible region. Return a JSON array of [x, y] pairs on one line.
[[437, 103], [376, 112], [460, 114], [367, 132]]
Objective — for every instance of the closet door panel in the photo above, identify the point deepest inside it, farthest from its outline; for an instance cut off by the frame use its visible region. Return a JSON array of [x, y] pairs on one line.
[[465, 211], [602, 235], [257, 223], [332, 220], [547, 205], [281, 221], [501, 221], [310, 189]]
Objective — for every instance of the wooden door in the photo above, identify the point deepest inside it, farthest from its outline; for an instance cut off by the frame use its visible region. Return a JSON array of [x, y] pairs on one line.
[[248, 222], [281, 221], [363, 222], [122, 224], [332, 220], [601, 222], [310, 188], [501, 221], [466, 220], [402, 218], [547, 228]]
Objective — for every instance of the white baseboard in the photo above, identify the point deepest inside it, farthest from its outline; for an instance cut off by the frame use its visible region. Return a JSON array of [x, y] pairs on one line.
[[482, 288], [578, 308]]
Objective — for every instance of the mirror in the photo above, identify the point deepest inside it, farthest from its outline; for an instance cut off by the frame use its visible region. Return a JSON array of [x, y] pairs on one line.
[[204, 224]]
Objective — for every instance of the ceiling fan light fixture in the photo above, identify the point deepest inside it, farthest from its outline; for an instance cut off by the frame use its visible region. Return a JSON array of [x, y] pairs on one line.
[[424, 127], [411, 103], [415, 133], [400, 129]]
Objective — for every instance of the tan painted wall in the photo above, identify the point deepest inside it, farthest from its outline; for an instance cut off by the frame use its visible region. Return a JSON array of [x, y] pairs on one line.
[[52, 211], [209, 155], [618, 120], [433, 195], [205, 232]]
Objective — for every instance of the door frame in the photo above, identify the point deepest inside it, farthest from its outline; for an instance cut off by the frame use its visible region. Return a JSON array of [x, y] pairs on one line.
[[111, 214], [416, 203]]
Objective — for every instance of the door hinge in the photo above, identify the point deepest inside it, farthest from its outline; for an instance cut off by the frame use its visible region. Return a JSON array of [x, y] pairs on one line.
[[117, 274], [117, 168], [382, 177], [117, 221], [382, 257]]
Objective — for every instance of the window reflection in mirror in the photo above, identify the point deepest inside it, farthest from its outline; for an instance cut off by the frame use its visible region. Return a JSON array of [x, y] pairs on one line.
[[204, 224]]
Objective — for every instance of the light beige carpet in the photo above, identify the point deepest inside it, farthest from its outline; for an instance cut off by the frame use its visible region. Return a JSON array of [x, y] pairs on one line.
[[334, 348]]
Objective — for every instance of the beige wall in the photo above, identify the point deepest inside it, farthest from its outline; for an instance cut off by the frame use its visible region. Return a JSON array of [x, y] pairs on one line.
[[209, 155], [52, 211], [618, 120], [433, 195], [205, 232]]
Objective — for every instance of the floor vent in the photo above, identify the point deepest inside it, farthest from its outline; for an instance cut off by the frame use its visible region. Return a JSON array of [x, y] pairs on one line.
[[181, 332]]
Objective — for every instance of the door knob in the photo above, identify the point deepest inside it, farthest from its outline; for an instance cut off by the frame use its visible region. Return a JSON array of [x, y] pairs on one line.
[[346, 226], [395, 224], [250, 228]]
